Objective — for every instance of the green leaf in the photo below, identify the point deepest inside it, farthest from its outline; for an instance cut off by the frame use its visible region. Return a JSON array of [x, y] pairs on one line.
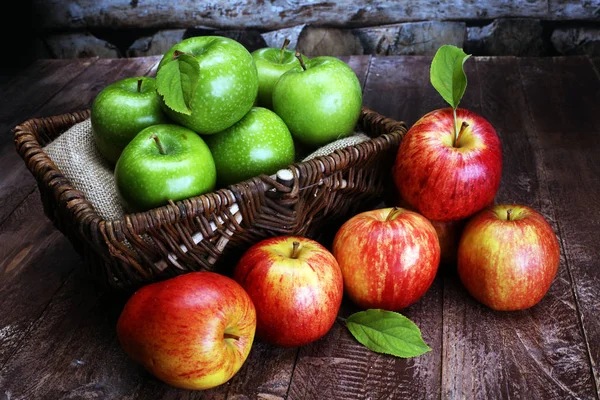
[[176, 82], [387, 332], [447, 75]]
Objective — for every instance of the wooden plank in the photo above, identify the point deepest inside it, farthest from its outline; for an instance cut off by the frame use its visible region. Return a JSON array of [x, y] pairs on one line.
[[73, 352], [360, 65], [572, 174], [239, 14], [34, 86], [27, 232], [596, 64], [572, 10], [399, 88], [572, 103], [24, 94], [74, 333], [34, 263], [79, 93], [337, 366], [535, 353]]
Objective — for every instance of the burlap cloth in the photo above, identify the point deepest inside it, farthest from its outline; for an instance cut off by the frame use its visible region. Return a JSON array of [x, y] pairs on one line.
[[75, 154]]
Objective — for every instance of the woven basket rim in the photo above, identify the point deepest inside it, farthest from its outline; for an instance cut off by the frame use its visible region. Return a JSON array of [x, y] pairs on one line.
[[31, 150]]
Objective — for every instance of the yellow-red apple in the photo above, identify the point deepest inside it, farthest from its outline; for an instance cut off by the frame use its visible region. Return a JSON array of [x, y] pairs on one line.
[[388, 257], [296, 286], [508, 256], [193, 331]]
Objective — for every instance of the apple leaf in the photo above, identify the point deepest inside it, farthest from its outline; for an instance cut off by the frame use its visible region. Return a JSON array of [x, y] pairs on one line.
[[176, 82], [447, 74], [387, 332]]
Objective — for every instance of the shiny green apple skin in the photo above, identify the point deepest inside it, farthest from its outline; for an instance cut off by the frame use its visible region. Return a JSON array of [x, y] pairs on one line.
[[260, 143], [146, 178], [227, 85], [271, 63], [319, 104], [120, 112]]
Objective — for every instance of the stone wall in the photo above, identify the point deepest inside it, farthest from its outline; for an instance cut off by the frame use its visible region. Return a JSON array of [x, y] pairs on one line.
[[129, 28]]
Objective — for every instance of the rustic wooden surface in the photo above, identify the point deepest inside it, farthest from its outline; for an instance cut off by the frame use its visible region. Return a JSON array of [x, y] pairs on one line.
[[57, 327], [239, 14]]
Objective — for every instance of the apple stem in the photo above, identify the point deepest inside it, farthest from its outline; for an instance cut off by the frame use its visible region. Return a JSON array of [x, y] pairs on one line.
[[161, 149], [139, 85], [509, 213], [463, 126], [177, 53], [299, 57], [231, 336], [285, 44], [393, 213], [295, 248]]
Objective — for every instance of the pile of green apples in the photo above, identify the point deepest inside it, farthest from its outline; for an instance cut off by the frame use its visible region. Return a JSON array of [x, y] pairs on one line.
[[216, 115]]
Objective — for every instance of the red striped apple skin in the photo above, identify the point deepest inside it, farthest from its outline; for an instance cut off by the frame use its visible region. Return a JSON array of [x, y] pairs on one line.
[[193, 331], [508, 264], [444, 182], [297, 297], [389, 257], [449, 233]]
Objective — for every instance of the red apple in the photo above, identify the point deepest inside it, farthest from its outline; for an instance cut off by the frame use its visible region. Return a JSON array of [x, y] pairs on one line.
[[193, 331], [389, 257], [296, 286], [449, 233], [446, 179], [508, 257]]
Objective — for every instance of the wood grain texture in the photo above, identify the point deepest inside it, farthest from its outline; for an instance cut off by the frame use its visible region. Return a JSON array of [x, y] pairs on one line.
[[539, 352], [238, 14], [35, 257], [596, 65], [569, 9], [22, 96], [87, 362], [570, 149], [399, 88], [34, 262], [34, 86], [77, 91]]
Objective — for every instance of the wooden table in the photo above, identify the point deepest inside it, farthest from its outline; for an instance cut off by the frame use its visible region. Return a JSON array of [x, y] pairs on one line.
[[57, 328]]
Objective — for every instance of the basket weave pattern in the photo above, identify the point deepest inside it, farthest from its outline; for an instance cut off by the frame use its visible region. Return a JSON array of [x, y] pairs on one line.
[[196, 233]]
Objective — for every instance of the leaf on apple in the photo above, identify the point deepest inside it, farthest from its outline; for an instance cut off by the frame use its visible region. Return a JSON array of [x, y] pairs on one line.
[[176, 82], [387, 332], [447, 74]]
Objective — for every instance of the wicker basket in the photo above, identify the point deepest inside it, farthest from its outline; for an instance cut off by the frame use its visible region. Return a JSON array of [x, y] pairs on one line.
[[208, 232]]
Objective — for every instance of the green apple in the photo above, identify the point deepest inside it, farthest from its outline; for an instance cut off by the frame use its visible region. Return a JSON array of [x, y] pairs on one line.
[[163, 162], [260, 143], [271, 63], [319, 100], [207, 83], [121, 110]]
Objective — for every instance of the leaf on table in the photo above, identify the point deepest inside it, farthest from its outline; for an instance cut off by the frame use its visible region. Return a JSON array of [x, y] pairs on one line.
[[176, 82], [387, 332], [447, 74]]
